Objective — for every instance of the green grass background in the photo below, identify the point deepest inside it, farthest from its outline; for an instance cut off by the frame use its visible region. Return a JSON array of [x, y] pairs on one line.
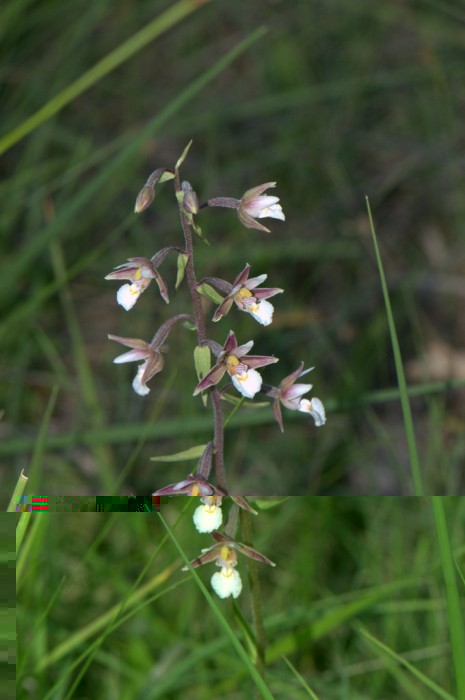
[[364, 603], [334, 100]]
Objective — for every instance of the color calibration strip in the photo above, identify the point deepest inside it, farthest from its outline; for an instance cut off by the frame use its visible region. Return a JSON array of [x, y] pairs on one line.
[[89, 504]]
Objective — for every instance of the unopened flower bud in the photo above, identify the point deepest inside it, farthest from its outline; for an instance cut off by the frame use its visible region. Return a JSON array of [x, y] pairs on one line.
[[190, 201], [144, 198]]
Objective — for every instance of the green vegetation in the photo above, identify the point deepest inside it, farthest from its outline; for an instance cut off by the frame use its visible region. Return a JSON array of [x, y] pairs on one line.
[[336, 101], [364, 603]]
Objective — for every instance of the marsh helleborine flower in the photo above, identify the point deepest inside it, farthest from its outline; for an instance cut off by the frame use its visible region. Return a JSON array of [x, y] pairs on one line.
[[152, 361], [289, 394], [227, 582], [140, 272], [247, 296], [255, 205], [232, 359], [149, 353]]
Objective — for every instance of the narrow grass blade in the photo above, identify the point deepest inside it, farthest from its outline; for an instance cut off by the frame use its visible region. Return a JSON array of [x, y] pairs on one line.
[[102, 453], [21, 528], [427, 682], [454, 608], [60, 225], [18, 491], [37, 522], [111, 616], [115, 58], [40, 442], [406, 410], [302, 680]]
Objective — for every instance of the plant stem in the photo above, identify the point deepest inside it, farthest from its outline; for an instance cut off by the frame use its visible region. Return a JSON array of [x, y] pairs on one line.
[[218, 434], [260, 638]]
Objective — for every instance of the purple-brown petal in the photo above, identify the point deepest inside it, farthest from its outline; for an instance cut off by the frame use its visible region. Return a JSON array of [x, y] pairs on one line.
[[230, 343], [266, 292], [278, 414], [291, 378], [154, 365], [249, 222], [257, 191], [135, 343], [212, 377], [260, 360], [223, 308], [253, 554], [161, 286], [242, 277]]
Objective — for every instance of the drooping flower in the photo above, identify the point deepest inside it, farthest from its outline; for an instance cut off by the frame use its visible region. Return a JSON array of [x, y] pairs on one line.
[[232, 359], [152, 361], [192, 485], [140, 272], [255, 205], [149, 353], [247, 296], [227, 582], [289, 394]]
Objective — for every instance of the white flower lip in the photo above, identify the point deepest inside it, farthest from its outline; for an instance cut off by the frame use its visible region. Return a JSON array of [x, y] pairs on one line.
[[127, 295], [207, 518], [262, 312], [315, 408], [138, 386], [227, 582], [247, 383]]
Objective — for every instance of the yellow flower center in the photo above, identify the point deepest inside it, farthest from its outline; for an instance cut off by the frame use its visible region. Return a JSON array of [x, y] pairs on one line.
[[231, 364], [244, 292], [227, 555], [138, 273]]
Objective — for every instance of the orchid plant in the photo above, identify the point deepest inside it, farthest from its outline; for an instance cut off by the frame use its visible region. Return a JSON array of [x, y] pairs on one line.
[[233, 360]]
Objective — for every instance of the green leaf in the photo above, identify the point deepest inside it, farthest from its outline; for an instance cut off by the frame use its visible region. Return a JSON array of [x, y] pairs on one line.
[[210, 293], [202, 362], [191, 453], [182, 262], [183, 155], [199, 232], [167, 175], [188, 325]]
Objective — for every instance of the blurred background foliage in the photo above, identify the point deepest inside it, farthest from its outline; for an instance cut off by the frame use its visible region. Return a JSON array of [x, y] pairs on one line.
[[346, 567], [335, 101]]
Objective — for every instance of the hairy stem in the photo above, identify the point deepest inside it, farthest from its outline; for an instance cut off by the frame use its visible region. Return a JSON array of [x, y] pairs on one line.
[[218, 435]]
